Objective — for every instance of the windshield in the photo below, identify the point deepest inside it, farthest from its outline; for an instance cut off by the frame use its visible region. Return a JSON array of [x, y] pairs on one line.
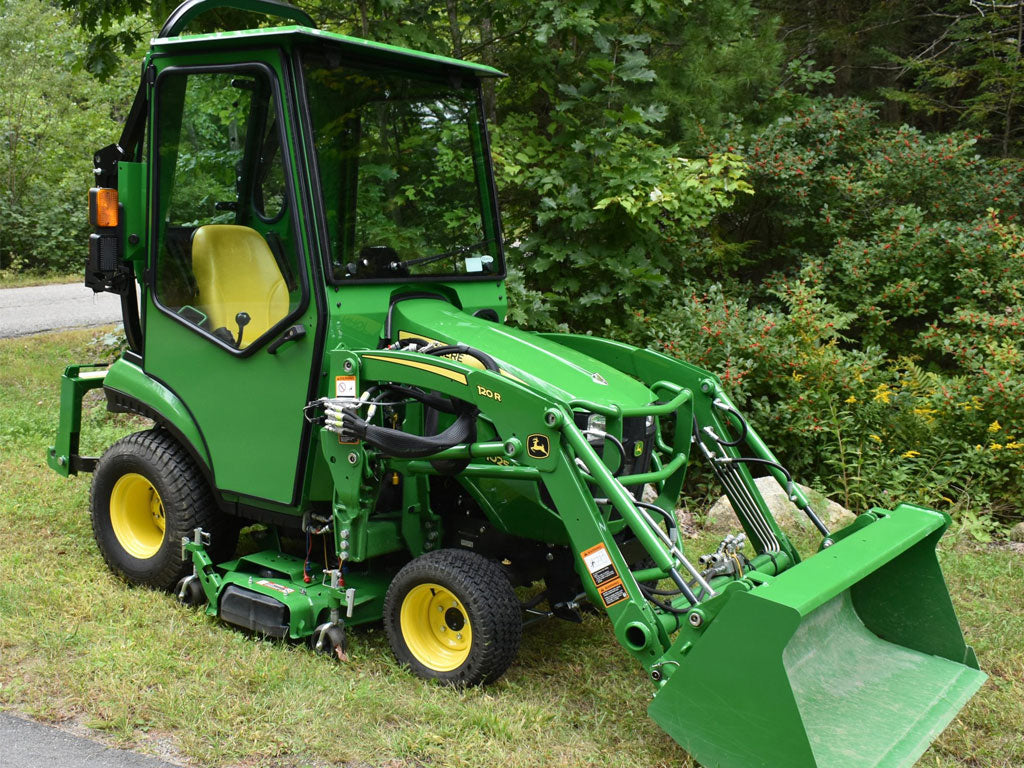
[[403, 174]]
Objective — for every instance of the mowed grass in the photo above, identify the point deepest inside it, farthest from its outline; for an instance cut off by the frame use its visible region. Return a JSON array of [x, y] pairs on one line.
[[78, 644]]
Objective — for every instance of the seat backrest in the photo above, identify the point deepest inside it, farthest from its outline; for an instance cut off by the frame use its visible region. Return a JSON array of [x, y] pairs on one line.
[[236, 271]]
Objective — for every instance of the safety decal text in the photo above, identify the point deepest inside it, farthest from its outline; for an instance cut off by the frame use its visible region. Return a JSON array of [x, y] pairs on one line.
[[279, 587], [345, 386], [613, 593], [599, 564]]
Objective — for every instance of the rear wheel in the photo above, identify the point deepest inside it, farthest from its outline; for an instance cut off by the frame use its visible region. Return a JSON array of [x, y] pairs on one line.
[[452, 615], [147, 494]]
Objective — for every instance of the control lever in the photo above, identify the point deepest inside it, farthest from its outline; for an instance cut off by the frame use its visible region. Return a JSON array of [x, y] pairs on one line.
[[242, 319]]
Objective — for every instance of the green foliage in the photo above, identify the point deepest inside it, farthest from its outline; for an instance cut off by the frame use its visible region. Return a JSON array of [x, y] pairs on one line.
[[974, 79], [598, 203], [879, 339], [51, 120]]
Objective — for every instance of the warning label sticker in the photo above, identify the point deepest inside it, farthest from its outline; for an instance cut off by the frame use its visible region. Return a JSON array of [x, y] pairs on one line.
[[279, 587], [345, 386], [613, 593], [599, 564]]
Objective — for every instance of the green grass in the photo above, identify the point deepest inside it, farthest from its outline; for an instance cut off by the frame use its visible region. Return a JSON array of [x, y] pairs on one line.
[[10, 279], [76, 643]]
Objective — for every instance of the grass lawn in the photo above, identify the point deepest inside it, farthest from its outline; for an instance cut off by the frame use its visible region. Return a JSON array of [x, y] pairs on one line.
[[78, 644], [26, 279]]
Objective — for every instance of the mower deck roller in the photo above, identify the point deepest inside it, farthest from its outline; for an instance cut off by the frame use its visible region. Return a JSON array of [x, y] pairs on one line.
[[323, 354], [851, 659]]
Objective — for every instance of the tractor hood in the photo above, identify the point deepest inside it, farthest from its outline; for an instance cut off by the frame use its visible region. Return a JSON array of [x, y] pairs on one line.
[[544, 365]]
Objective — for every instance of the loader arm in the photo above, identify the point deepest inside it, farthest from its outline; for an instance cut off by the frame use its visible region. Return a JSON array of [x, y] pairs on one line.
[[871, 606], [538, 441]]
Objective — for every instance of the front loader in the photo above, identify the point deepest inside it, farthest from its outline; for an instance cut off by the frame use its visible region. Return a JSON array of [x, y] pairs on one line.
[[304, 232]]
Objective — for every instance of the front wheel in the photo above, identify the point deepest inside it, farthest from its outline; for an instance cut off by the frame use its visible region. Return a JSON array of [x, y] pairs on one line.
[[147, 494], [451, 615]]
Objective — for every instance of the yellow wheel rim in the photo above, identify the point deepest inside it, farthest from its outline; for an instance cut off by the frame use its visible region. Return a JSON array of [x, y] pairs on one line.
[[435, 627], [137, 516]]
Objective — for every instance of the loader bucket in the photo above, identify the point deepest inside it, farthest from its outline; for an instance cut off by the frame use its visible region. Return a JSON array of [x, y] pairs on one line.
[[852, 659]]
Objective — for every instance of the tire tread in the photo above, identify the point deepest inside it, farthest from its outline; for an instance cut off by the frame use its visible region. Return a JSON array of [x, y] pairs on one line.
[[495, 614]]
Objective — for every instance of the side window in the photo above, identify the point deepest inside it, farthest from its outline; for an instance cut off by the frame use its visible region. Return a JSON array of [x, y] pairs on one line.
[[227, 257]]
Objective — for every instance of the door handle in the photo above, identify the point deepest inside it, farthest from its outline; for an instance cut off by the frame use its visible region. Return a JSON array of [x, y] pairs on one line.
[[292, 334]]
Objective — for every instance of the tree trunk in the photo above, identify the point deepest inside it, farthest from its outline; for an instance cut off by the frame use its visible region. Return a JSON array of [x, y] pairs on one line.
[[453, 24], [364, 21], [487, 57]]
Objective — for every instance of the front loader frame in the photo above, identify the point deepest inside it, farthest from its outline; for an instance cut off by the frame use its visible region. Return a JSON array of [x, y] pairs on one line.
[[538, 441]]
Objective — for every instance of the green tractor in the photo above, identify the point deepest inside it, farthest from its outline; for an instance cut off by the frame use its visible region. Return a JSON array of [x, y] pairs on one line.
[[304, 232]]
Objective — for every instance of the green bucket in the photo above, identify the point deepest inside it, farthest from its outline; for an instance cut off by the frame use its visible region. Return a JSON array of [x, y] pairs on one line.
[[852, 659]]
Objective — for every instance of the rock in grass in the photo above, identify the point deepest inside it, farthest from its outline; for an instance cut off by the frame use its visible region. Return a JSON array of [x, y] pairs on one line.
[[1017, 532], [721, 519]]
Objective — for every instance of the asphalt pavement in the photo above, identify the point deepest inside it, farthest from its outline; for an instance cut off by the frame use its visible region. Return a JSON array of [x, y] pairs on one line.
[[55, 307], [26, 744]]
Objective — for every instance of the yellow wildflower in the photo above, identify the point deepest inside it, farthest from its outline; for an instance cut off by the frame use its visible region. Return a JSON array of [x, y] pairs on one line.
[[876, 438], [911, 455], [926, 414], [797, 376], [1013, 446], [994, 426], [851, 399], [883, 393], [996, 447]]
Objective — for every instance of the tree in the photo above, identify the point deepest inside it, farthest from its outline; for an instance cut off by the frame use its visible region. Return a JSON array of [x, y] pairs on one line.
[[971, 75], [51, 119]]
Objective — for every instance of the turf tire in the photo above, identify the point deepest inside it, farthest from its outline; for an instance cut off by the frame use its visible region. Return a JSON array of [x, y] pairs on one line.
[[187, 504], [491, 609]]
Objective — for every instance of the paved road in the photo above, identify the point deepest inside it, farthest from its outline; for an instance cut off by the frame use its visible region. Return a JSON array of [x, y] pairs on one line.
[[53, 307], [25, 744]]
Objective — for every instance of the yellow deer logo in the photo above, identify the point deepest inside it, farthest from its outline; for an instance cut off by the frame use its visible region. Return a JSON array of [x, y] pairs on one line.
[[538, 446]]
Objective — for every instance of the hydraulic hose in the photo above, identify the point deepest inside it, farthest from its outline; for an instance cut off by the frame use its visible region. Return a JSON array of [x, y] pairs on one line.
[[402, 445]]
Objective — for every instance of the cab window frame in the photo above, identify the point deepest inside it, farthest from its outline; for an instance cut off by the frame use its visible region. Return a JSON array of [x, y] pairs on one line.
[[159, 205]]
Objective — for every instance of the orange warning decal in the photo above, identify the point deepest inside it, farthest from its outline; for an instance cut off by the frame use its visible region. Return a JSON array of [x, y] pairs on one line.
[[613, 593], [600, 565]]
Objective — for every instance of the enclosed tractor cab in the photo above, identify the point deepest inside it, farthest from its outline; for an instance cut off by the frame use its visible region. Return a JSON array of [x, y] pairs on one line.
[[304, 232]]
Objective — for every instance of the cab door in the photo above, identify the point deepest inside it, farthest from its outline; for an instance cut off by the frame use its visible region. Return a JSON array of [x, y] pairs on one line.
[[230, 323]]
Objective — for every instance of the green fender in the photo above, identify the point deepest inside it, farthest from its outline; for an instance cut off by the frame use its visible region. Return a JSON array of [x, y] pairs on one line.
[[159, 403]]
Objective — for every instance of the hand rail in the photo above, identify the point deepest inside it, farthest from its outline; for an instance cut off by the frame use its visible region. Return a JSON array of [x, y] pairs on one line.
[[188, 10]]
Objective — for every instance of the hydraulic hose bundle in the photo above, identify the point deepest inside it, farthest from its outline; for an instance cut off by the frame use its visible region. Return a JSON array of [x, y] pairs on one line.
[[341, 415]]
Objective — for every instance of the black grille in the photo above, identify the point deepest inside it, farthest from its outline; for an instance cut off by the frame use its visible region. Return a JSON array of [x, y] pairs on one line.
[[637, 440]]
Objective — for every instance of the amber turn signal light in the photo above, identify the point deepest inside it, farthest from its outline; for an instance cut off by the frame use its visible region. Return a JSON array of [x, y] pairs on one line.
[[103, 207]]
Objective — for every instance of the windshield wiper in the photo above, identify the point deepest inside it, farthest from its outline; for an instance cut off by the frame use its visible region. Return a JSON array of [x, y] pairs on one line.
[[396, 265]]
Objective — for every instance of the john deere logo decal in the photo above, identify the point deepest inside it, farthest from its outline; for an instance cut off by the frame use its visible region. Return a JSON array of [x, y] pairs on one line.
[[538, 446], [638, 449]]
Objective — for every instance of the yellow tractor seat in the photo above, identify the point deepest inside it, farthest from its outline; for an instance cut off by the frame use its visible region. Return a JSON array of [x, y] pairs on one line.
[[236, 271]]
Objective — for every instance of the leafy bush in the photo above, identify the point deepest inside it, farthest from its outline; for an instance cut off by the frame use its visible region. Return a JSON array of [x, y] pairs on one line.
[[878, 338], [52, 118]]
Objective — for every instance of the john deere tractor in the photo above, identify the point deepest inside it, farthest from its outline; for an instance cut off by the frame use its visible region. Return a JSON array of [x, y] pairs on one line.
[[304, 232]]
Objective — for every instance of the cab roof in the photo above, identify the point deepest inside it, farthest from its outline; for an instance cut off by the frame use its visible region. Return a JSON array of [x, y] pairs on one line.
[[288, 36]]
